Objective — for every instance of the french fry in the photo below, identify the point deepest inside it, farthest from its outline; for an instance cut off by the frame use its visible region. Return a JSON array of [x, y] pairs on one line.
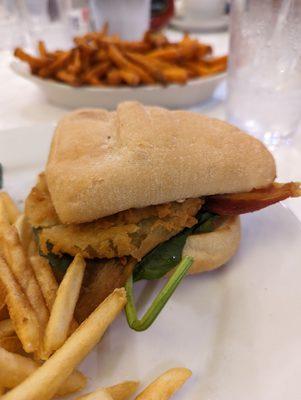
[[10, 207], [22, 270], [176, 54], [42, 49], [22, 315], [105, 29], [75, 66], [129, 77], [3, 308], [3, 214], [24, 230], [99, 394], [114, 77], [95, 73], [120, 61], [4, 313], [6, 328], [54, 66], [176, 75], [12, 344], [166, 385], [34, 62], [83, 64], [67, 77], [45, 278], [48, 284], [149, 65], [46, 380], [15, 368], [121, 391], [64, 304]]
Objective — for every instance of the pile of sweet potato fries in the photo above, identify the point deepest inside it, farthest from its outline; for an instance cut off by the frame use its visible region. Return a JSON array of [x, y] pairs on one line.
[[99, 59]]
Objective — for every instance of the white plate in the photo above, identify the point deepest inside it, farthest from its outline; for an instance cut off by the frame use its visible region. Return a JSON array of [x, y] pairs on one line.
[[188, 24], [238, 328], [172, 96]]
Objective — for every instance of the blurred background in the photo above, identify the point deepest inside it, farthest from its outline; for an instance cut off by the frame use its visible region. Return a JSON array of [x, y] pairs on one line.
[[262, 90], [23, 22], [258, 41]]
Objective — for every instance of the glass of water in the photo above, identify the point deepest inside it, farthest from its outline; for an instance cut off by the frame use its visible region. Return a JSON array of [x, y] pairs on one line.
[[264, 81]]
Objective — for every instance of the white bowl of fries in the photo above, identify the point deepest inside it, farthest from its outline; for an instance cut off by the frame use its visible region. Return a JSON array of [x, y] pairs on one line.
[[102, 71]]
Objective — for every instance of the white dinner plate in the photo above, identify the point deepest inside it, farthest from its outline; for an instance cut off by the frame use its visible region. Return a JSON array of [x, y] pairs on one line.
[[237, 328], [193, 92], [188, 24]]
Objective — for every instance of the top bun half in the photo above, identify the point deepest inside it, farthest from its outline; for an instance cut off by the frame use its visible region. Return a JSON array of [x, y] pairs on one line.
[[103, 162]]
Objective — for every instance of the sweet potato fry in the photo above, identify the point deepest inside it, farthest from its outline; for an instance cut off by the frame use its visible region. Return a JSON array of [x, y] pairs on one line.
[[175, 75], [42, 49], [52, 68], [34, 62], [75, 64], [96, 73], [150, 65], [102, 59], [114, 77], [67, 77], [129, 77], [122, 62]]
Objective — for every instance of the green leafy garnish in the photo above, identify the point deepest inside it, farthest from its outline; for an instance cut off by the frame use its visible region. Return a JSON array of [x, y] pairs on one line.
[[167, 255], [160, 300]]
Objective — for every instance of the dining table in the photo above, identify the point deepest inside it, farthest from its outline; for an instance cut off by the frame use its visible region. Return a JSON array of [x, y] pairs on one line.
[[23, 105]]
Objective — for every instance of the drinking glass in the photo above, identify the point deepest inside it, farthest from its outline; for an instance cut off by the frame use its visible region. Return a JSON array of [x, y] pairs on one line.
[[11, 28], [264, 80], [128, 18]]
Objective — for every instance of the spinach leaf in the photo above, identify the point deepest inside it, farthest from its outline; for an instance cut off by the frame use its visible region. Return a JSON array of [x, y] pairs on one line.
[[207, 222], [162, 258], [167, 255], [61, 263]]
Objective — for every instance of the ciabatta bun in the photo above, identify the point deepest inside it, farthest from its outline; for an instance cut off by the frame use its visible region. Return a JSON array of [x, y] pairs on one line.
[[104, 162], [212, 250]]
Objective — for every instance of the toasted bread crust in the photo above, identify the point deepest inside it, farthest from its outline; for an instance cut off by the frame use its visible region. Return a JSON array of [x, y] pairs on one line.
[[104, 162]]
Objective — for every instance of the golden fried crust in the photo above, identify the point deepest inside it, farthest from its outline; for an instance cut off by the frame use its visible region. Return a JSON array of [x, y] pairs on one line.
[[132, 232], [38, 205]]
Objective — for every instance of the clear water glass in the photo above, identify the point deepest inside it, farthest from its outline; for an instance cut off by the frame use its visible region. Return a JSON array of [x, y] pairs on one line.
[[264, 80]]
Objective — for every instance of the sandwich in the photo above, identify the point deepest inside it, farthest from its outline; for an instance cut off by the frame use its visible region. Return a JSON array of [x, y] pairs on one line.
[[144, 192]]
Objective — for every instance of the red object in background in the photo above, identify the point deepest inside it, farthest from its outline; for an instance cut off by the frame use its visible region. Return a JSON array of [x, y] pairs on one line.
[[161, 12]]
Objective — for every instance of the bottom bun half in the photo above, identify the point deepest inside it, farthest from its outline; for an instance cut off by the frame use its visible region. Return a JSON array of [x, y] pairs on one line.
[[212, 250]]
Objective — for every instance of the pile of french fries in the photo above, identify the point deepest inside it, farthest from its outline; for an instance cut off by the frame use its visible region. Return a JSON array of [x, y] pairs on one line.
[[41, 344], [98, 59]]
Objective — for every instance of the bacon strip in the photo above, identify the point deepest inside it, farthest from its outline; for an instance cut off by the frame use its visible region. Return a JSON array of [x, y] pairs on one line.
[[241, 203]]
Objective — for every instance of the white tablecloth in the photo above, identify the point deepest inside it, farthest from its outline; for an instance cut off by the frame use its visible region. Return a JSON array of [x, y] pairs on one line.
[[22, 104]]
